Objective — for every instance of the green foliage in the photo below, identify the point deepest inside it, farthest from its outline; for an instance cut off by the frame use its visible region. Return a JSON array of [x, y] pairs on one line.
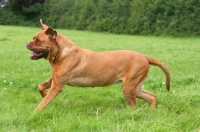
[[146, 17], [14, 6], [166, 17], [32, 11], [56, 13], [9, 18]]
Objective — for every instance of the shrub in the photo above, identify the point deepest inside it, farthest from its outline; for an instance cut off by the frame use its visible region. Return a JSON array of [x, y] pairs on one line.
[[146, 17]]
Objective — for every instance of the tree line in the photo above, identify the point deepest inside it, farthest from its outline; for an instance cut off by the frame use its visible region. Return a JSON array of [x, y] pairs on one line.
[[138, 17]]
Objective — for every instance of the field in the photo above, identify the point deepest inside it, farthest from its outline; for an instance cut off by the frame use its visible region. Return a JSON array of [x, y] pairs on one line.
[[99, 109]]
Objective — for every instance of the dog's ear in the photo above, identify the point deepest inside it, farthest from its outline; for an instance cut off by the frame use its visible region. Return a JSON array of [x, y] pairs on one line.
[[44, 27], [51, 33]]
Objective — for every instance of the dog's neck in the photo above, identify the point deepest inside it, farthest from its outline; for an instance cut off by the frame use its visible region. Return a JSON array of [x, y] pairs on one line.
[[64, 46]]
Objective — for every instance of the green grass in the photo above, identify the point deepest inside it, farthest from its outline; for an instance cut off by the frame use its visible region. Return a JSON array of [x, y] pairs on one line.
[[99, 109]]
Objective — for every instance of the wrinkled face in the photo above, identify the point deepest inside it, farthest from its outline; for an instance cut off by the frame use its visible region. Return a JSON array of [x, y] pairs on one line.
[[39, 46], [43, 44]]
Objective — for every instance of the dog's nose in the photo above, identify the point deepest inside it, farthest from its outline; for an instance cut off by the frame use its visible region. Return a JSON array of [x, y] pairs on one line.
[[27, 44]]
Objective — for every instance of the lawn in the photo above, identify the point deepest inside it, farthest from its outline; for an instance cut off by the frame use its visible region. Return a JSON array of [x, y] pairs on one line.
[[99, 109]]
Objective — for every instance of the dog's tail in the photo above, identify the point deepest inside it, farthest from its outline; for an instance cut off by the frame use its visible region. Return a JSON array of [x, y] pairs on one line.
[[163, 67]]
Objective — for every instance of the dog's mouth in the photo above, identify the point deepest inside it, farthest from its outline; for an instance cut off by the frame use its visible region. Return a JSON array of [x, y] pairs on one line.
[[37, 55]]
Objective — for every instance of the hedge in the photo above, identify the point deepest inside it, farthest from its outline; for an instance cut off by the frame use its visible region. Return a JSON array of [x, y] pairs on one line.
[[138, 17]]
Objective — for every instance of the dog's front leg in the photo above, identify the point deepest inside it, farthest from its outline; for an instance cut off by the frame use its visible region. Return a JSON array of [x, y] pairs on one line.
[[43, 86], [56, 88], [53, 92]]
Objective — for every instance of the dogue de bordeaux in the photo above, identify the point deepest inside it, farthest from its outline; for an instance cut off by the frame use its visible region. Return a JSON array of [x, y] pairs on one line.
[[75, 66]]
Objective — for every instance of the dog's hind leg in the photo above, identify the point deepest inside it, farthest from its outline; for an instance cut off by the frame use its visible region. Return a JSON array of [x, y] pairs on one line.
[[43, 86], [130, 93], [141, 93], [130, 87], [135, 75]]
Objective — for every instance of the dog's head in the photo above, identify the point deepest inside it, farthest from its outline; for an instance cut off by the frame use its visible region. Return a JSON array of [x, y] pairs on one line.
[[43, 44]]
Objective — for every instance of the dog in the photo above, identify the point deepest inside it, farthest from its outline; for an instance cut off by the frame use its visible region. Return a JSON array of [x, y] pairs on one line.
[[75, 66]]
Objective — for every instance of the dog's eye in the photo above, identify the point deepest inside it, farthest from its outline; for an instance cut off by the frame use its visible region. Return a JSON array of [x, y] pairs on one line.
[[38, 41]]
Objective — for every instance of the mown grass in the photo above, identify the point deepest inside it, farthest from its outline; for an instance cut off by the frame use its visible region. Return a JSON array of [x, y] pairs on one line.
[[99, 109]]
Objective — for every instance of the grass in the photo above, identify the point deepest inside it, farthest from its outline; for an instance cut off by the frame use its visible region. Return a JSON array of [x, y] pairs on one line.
[[99, 109]]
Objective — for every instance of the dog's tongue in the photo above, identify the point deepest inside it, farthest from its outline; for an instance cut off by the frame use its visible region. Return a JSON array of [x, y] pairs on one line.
[[34, 55]]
